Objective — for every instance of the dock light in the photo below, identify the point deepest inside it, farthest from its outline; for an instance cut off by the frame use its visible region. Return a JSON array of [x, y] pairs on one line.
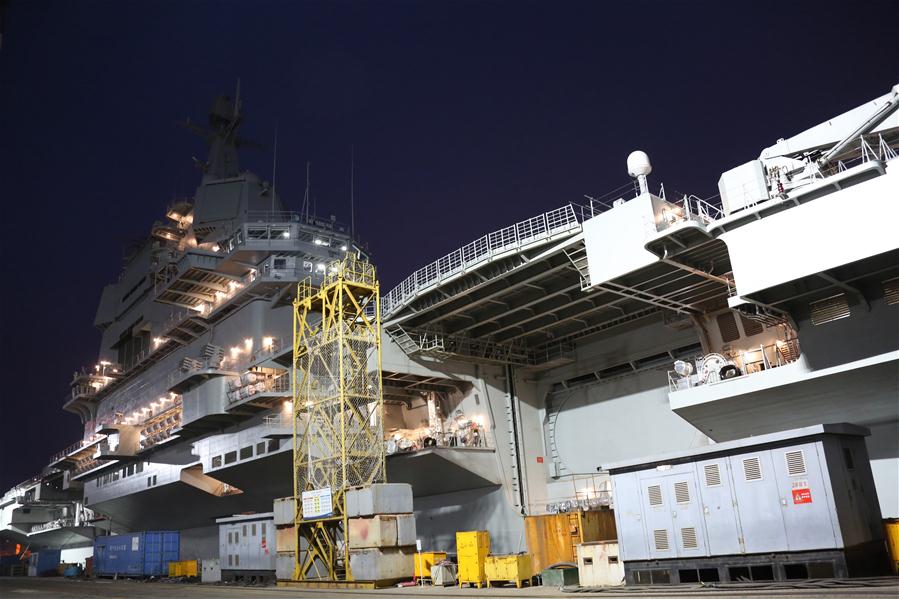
[[104, 363], [216, 248], [248, 344], [235, 351], [286, 234], [319, 241], [343, 248], [288, 406], [268, 342]]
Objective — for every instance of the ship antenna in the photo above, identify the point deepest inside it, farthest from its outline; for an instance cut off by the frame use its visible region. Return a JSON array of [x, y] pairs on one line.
[[352, 192], [305, 209], [274, 169]]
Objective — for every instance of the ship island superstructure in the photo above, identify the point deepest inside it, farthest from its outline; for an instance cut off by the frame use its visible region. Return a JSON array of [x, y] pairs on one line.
[[513, 368]]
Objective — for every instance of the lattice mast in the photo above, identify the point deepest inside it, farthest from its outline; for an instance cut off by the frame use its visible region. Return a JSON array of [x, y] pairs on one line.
[[338, 439]]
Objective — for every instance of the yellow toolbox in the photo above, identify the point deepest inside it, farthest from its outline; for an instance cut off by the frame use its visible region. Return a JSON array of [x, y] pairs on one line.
[[184, 568], [472, 548], [892, 530], [509, 568], [424, 561]]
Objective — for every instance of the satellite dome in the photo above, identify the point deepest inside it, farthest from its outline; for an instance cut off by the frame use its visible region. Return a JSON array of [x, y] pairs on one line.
[[638, 164]]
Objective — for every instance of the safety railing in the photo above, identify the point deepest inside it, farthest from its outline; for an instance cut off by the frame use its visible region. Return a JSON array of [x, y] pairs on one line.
[[278, 421], [514, 237], [688, 208], [53, 525], [739, 363]]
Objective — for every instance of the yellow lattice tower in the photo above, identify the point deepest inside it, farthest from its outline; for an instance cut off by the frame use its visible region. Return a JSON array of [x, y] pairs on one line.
[[338, 439]]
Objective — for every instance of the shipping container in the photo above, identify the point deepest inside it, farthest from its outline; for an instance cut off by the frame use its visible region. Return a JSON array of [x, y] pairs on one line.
[[136, 554], [553, 538], [44, 563]]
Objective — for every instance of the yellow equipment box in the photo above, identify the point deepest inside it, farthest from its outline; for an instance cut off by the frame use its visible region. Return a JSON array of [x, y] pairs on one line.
[[424, 561], [892, 530], [183, 568], [472, 548], [509, 568]]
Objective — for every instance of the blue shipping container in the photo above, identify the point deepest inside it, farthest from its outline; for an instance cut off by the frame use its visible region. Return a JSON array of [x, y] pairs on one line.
[[46, 562], [136, 553]]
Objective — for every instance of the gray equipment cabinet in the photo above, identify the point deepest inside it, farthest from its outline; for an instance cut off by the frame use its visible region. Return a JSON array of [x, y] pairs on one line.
[[247, 547], [789, 505]]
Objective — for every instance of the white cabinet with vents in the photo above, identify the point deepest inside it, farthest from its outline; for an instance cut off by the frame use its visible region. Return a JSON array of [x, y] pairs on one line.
[[806, 492]]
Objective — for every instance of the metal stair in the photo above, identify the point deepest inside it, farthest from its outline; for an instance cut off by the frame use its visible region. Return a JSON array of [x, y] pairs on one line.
[[578, 256]]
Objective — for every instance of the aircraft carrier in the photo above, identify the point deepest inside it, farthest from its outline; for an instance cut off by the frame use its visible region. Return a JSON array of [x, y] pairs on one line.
[[515, 367]]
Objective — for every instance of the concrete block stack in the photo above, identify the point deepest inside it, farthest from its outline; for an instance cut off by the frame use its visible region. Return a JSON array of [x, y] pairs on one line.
[[381, 532], [285, 537]]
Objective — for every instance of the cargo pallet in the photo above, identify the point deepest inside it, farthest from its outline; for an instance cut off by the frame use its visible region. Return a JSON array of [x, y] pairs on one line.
[[340, 584], [519, 582]]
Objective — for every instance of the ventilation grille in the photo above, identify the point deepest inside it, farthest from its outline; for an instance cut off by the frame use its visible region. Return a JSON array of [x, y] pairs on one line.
[[751, 327], [682, 492], [727, 324], [752, 469], [829, 309], [891, 291], [661, 539], [795, 462], [655, 495], [688, 536], [712, 475], [847, 458]]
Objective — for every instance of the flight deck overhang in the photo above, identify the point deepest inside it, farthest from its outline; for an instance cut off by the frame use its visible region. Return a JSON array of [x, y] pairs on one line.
[[791, 396], [842, 242], [436, 470]]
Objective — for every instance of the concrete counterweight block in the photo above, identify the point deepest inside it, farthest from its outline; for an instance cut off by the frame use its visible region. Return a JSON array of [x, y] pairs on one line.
[[372, 533], [382, 564], [405, 530], [386, 498]]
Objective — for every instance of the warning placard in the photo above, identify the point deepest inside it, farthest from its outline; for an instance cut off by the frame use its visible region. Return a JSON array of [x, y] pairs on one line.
[[317, 503], [802, 495]]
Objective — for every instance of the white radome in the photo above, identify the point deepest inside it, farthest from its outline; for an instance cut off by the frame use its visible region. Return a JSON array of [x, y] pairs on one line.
[[638, 164]]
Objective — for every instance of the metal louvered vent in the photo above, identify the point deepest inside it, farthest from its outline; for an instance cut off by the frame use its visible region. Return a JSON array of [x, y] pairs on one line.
[[712, 475], [660, 536], [891, 291], [829, 309], [688, 537], [727, 324], [752, 469], [655, 494], [795, 462], [751, 327], [682, 492]]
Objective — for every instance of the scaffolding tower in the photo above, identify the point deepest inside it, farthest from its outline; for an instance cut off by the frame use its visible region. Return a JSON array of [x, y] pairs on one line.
[[338, 440]]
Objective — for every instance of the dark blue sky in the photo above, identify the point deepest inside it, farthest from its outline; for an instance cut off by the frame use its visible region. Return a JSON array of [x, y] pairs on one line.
[[466, 117]]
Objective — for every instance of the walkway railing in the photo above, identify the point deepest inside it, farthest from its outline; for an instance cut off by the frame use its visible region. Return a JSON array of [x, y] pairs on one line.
[[514, 237], [748, 362]]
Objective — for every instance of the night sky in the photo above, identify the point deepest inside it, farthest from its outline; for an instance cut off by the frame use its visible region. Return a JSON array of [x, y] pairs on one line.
[[465, 117]]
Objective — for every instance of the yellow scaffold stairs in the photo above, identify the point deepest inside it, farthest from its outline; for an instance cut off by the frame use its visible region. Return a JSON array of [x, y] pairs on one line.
[[338, 440]]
